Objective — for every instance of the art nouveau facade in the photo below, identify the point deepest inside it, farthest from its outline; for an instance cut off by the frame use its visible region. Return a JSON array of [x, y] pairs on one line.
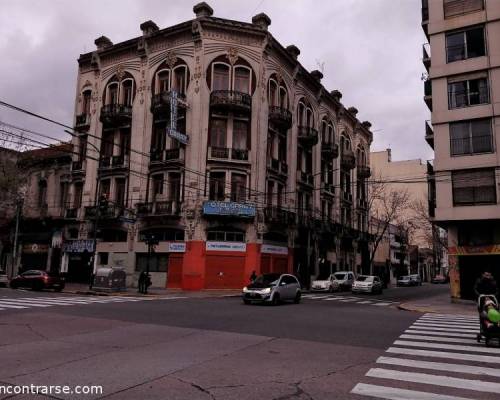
[[463, 95], [212, 136]]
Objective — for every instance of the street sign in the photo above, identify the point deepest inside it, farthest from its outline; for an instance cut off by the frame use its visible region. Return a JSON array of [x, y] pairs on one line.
[[172, 130]]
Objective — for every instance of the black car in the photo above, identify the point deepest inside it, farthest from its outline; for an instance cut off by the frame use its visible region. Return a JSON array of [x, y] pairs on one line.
[[38, 280]]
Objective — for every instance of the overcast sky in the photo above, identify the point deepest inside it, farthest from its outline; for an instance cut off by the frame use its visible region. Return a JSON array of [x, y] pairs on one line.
[[371, 51]]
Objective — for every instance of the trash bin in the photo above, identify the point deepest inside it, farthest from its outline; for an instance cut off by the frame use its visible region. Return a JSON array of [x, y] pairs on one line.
[[110, 279]]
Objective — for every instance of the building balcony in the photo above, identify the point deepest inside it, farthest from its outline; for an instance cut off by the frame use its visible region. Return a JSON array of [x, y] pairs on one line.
[[78, 167], [277, 166], [327, 188], [168, 208], [347, 159], [429, 134], [82, 122], [109, 212], [454, 8], [364, 171], [307, 136], [71, 213], [329, 150], [428, 93], [230, 100], [426, 57], [278, 216], [113, 163], [115, 115], [306, 178], [160, 158], [280, 117], [346, 197], [161, 103], [425, 17], [228, 154]]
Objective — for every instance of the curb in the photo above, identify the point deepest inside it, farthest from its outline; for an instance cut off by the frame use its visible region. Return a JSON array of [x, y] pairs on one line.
[[429, 309]]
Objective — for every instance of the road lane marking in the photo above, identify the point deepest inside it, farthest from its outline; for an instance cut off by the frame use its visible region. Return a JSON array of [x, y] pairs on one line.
[[457, 319], [25, 303], [439, 339], [366, 302], [381, 304], [439, 380], [389, 393], [452, 316], [443, 346], [450, 334], [460, 368], [333, 298], [444, 354], [435, 328], [466, 326], [3, 304]]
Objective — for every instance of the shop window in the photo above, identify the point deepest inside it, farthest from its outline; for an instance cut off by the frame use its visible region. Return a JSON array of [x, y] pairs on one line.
[[158, 262], [163, 235], [225, 236]]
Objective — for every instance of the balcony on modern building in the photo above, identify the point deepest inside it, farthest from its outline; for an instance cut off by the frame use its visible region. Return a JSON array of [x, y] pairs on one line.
[[167, 157], [280, 117], [426, 56], [116, 115], [425, 17], [161, 104], [306, 178], [364, 171], [453, 8], [82, 122], [328, 188], [428, 93], [329, 150], [279, 167], [277, 215], [347, 159], [346, 197], [429, 134], [227, 154], [307, 136], [362, 204], [117, 163], [111, 211], [230, 100], [168, 208]]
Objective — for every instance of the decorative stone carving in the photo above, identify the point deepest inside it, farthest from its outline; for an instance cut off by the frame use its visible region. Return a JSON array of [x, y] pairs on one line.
[[171, 59], [120, 72], [232, 55]]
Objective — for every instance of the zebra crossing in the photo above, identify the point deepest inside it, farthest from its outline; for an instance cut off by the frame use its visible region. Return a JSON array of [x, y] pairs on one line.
[[348, 299], [437, 354], [22, 303]]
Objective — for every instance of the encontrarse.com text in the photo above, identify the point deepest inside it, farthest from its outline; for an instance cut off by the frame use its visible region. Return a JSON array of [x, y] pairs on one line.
[[49, 389]]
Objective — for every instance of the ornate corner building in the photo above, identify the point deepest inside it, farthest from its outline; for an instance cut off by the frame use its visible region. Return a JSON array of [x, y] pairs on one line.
[[211, 136]]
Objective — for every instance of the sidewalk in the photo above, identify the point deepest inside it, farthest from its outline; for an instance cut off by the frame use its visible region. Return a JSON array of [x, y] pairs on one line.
[[83, 289], [441, 304]]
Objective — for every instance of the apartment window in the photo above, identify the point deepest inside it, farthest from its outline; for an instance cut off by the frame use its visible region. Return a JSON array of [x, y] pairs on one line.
[[218, 132], [77, 195], [113, 93], [453, 8], [225, 236], [470, 92], [105, 188], [279, 200], [174, 180], [163, 81], [240, 135], [86, 102], [220, 77], [42, 193], [157, 185], [465, 44], [128, 92], [63, 194], [471, 137], [474, 187], [242, 79], [238, 187], [179, 83], [217, 186], [120, 192], [270, 192]]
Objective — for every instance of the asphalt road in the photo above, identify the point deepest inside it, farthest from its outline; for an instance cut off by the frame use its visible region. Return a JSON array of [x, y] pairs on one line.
[[197, 348]]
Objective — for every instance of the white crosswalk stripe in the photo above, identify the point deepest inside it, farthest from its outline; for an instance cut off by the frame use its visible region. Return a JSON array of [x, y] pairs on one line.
[[438, 353], [338, 298], [22, 303]]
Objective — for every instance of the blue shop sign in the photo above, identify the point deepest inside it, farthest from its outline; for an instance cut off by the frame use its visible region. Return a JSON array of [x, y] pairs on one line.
[[228, 208]]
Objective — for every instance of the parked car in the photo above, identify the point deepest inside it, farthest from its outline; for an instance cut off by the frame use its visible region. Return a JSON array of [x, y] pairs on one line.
[[367, 284], [4, 280], [404, 281], [416, 280], [439, 279], [345, 279], [329, 284], [38, 280], [272, 289]]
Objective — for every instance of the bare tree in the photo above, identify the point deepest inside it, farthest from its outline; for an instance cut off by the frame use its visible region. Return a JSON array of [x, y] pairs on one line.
[[386, 206]]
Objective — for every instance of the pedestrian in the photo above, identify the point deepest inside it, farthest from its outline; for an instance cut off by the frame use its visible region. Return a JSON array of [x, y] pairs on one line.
[[253, 277], [142, 282], [486, 284]]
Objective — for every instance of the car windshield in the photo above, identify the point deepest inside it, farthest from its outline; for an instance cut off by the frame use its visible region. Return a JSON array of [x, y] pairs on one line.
[[267, 279], [339, 276], [365, 278], [405, 278]]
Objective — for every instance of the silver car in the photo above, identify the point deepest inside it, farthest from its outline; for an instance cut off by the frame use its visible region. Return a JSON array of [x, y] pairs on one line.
[[272, 289], [367, 284], [328, 284], [345, 279]]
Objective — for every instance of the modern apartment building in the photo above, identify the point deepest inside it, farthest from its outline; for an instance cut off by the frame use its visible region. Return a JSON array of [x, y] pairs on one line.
[[212, 137], [463, 95]]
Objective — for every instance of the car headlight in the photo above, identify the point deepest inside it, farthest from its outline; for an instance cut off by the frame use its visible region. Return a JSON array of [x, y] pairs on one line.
[[266, 291], [245, 290]]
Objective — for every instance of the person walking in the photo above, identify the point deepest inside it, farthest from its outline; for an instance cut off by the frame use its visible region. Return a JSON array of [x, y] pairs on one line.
[[486, 284], [253, 277]]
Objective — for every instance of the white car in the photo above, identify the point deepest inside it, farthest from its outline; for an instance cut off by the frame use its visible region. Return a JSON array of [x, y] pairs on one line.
[[330, 284], [367, 284], [345, 279]]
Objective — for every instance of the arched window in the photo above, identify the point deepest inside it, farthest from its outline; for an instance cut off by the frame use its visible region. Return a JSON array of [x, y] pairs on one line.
[[167, 78], [277, 93], [305, 114], [162, 81], [242, 81], [127, 92], [112, 93], [42, 193], [120, 91], [237, 76], [179, 81], [86, 98], [272, 92], [220, 76]]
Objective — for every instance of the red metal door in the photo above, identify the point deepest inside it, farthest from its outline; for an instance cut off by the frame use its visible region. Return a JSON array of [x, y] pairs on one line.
[[224, 272]]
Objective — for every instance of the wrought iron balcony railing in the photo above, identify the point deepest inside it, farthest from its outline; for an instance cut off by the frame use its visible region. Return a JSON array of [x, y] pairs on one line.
[[231, 100]]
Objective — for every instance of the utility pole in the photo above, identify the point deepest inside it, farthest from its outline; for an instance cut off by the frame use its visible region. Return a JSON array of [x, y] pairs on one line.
[[19, 208], [103, 204], [151, 241]]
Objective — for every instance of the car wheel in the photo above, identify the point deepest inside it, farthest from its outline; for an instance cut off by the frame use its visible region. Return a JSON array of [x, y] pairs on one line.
[[245, 301], [276, 299], [37, 286], [297, 298]]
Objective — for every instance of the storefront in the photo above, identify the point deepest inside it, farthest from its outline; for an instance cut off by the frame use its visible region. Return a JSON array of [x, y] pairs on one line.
[[76, 260]]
